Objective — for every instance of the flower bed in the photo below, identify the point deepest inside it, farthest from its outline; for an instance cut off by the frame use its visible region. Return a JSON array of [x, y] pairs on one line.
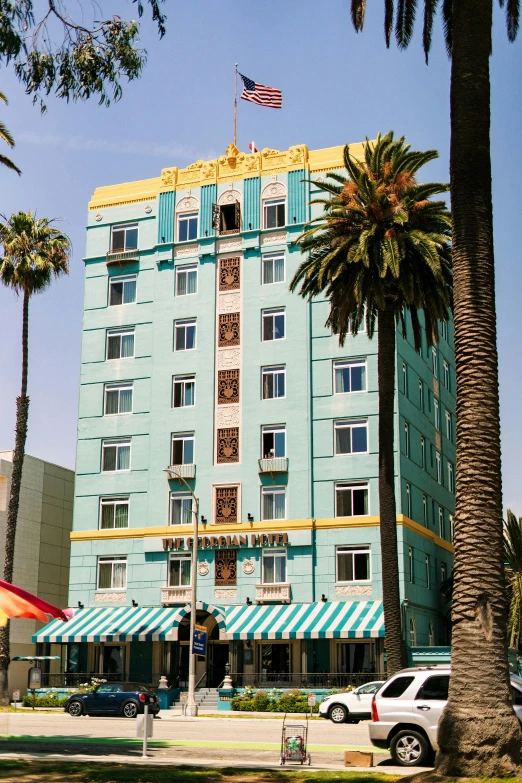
[[272, 701]]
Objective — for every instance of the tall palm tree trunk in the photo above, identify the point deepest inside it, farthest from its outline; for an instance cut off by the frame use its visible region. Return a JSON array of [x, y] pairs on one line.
[[479, 733], [394, 642], [22, 413]]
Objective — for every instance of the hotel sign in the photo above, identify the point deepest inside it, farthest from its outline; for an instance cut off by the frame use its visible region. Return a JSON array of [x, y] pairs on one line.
[[226, 542]]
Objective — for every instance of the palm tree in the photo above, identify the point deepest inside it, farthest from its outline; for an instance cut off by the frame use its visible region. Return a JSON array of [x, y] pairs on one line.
[[6, 136], [478, 734], [379, 251], [34, 252], [513, 557]]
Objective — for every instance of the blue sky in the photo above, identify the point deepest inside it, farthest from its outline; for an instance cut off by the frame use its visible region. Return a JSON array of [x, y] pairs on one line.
[[338, 87]]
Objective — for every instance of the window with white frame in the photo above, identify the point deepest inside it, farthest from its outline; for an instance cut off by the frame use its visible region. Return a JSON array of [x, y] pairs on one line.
[[187, 226], [444, 329], [436, 413], [421, 395], [408, 500], [449, 428], [183, 391], [185, 334], [183, 448], [406, 438], [438, 463], [413, 632], [273, 382], [273, 442], [404, 379], [116, 455], [425, 510], [273, 268], [114, 512], [122, 290], [441, 522], [451, 477], [411, 568], [186, 280], [353, 563], [423, 452], [435, 362], [273, 324], [443, 573], [351, 436], [181, 506], [351, 500], [124, 237], [118, 398], [349, 376], [452, 527], [427, 567], [445, 374], [274, 213], [274, 566], [431, 634], [273, 502], [180, 570], [112, 572], [120, 343]]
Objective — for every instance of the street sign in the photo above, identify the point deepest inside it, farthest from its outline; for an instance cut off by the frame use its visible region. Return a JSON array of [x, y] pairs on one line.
[[35, 678], [183, 697], [16, 696], [312, 699], [144, 721], [199, 641]]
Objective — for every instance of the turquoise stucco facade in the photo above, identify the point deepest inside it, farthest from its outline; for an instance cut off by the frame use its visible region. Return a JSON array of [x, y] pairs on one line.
[[308, 411]]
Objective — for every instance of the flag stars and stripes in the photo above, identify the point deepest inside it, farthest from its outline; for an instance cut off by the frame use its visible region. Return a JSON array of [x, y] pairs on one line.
[[261, 94]]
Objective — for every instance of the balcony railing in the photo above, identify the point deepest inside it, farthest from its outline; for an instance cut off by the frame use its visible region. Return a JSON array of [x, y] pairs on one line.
[[76, 679], [273, 465], [176, 595], [304, 679], [122, 256], [182, 471], [277, 592]]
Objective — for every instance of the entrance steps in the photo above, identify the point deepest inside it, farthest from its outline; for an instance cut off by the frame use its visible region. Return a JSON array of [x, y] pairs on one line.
[[206, 699]]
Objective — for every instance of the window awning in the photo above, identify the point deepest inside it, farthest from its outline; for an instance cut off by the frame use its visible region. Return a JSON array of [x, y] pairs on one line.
[[328, 620], [36, 657]]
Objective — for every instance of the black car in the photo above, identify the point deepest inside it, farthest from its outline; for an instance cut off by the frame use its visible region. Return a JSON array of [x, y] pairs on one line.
[[113, 698]]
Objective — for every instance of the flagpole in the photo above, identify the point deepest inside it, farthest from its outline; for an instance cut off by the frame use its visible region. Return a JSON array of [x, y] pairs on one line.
[[235, 106]]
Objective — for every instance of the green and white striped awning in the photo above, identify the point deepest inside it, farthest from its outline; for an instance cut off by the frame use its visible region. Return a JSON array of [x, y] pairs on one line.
[[328, 620]]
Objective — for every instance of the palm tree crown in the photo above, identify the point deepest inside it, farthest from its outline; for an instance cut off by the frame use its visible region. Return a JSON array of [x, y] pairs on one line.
[[380, 241], [6, 136]]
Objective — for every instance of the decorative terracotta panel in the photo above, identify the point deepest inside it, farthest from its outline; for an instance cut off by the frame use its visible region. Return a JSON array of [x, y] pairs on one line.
[[226, 505], [229, 274], [228, 445], [226, 567], [228, 329], [228, 386]]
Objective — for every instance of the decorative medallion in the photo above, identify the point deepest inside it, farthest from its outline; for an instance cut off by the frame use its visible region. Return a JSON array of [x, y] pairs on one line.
[[227, 416], [248, 566], [226, 505], [228, 358], [229, 274], [98, 217], [203, 568], [187, 203], [148, 209], [229, 302], [228, 386], [226, 567], [228, 329], [228, 445], [230, 197]]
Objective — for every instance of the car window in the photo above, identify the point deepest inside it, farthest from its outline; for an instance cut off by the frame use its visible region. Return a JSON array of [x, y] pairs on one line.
[[517, 697], [396, 688], [368, 688], [435, 688], [132, 687], [106, 687]]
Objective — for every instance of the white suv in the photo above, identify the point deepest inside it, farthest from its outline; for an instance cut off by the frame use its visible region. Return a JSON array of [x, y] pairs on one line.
[[350, 707], [407, 709]]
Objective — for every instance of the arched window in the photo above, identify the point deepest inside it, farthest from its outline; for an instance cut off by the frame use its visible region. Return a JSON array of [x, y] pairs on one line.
[[187, 219], [413, 632], [431, 634], [226, 214], [273, 199]]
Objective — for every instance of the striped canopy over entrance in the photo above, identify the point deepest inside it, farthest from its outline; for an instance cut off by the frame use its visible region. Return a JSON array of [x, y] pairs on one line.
[[329, 620]]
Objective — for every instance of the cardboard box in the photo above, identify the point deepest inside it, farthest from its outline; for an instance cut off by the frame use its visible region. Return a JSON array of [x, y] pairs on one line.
[[358, 758]]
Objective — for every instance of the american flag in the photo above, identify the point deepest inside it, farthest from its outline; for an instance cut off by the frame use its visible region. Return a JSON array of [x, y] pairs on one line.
[[260, 94]]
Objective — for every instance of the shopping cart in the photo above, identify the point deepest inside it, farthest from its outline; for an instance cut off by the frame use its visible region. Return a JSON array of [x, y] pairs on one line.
[[294, 739]]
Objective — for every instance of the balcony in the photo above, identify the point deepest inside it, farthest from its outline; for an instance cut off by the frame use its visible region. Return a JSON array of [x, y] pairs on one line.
[[273, 465], [271, 592], [181, 471], [176, 595], [122, 256]]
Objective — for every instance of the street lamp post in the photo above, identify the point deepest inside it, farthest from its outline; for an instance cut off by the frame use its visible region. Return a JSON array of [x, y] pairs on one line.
[[192, 707]]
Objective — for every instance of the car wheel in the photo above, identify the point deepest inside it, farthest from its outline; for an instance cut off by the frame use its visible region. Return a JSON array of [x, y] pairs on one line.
[[130, 710], [411, 749], [338, 713], [75, 708]]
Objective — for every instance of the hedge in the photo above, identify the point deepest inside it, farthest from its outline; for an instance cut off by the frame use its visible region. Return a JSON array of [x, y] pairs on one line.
[[44, 701], [261, 701]]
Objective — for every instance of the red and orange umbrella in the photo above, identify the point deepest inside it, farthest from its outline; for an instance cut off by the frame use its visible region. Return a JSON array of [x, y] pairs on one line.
[[15, 602]]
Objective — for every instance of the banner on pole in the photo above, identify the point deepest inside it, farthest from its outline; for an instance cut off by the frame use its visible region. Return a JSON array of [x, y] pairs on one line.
[[199, 640]]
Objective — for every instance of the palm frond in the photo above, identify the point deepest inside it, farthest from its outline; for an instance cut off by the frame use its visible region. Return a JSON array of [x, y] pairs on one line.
[[512, 18], [388, 21], [358, 10]]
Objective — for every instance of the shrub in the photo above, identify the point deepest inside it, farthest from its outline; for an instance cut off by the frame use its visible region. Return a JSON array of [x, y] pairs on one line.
[[261, 701], [44, 701]]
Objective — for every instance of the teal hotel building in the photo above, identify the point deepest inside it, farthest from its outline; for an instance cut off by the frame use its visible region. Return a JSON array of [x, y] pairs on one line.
[[203, 376]]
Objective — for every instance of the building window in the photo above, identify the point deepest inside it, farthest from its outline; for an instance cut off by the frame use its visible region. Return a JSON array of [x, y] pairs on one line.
[[273, 324], [423, 452], [441, 522], [431, 635], [435, 362], [112, 573], [349, 376], [451, 477], [351, 500], [411, 569], [181, 508], [227, 445], [229, 330], [273, 268], [404, 379], [413, 632], [183, 449], [353, 564], [274, 442], [228, 387], [122, 290], [425, 510], [185, 335], [406, 438], [125, 237], [226, 218], [449, 428], [408, 500], [120, 343], [273, 382], [446, 374], [444, 329], [436, 413], [116, 455], [180, 570], [274, 213], [351, 436], [273, 503], [443, 574], [227, 505], [118, 398], [438, 464], [274, 566], [187, 226], [183, 391], [226, 567], [186, 280], [114, 512], [427, 565], [229, 274], [421, 395]]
